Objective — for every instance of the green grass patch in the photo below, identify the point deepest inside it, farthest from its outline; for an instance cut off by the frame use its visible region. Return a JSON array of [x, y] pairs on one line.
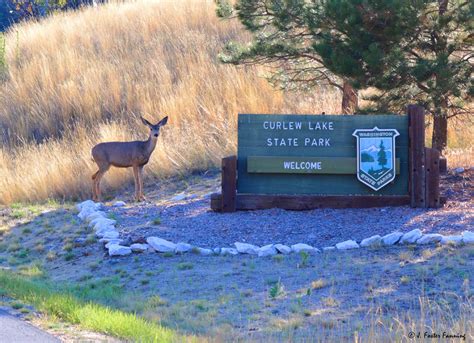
[[277, 290], [185, 266], [19, 213], [33, 270], [17, 305], [65, 306]]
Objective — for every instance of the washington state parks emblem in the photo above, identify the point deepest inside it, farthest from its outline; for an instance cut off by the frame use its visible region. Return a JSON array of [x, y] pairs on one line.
[[376, 156]]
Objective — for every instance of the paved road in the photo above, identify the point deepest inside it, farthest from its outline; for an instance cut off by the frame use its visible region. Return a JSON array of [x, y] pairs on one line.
[[14, 330]]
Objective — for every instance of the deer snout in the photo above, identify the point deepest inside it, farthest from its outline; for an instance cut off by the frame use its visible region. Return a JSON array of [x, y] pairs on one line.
[[156, 135]]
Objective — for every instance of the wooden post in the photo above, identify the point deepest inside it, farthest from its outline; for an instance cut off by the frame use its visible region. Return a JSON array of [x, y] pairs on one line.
[[443, 165], [432, 178], [416, 119], [229, 183]]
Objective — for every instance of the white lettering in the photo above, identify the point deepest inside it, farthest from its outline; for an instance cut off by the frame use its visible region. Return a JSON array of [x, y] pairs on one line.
[[282, 125], [302, 165], [282, 142], [313, 126], [317, 141]]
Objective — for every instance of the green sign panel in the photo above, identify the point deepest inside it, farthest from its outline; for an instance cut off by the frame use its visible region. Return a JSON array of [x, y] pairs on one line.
[[323, 154]]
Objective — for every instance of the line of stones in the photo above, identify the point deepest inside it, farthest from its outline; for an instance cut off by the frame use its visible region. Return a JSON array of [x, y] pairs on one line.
[[105, 229]]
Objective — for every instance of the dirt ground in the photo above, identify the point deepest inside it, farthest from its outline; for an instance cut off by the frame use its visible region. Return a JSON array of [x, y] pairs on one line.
[[377, 294]]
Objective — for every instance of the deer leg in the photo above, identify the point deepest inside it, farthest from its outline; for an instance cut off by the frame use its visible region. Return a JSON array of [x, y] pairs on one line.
[[97, 183], [137, 183], [98, 177], [94, 186], [140, 183]]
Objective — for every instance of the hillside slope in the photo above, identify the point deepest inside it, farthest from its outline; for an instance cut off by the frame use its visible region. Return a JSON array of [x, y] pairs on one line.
[[82, 77]]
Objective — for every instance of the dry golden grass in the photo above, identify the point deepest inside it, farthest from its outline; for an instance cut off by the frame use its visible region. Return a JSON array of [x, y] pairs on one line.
[[84, 77]]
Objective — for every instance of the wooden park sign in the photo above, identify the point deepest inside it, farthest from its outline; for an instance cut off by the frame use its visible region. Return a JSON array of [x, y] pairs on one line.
[[302, 162]]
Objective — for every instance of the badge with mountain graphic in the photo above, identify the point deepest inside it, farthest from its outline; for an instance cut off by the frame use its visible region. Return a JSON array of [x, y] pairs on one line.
[[376, 156]]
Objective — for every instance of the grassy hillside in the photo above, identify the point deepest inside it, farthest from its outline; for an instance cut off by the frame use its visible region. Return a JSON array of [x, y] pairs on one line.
[[83, 77]]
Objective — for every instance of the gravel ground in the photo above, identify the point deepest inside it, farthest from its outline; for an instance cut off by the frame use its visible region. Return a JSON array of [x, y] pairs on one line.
[[190, 220]]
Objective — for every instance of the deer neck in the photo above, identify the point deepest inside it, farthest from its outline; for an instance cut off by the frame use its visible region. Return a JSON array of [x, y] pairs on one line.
[[151, 144]]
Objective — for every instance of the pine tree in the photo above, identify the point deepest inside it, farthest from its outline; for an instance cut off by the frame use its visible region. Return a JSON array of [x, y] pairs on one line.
[[382, 155], [281, 39], [410, 50], [407, 50]]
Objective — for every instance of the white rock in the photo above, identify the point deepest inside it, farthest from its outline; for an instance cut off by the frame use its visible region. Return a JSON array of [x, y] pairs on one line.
[[89, 207], [85, 212], [183, 247], [119, 250], [96, 223], [411, 236], [430, 238], [110, 234], [245, 248], [468, 237], [101, 229], [229, 251], [283, 249], [119, 204], [161, 245], [452, 239], [391, 238], [205, 252], [179, 197], [81, 205], [137, 247], [459, 170], [95, 215], [98, 220], [373, 241], [329, 248], [303, 247], [346, 245], [88, 204], [111, 240], [267, 250]]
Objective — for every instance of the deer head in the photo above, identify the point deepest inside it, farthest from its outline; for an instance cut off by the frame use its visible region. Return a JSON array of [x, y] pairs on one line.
[[155, 129]]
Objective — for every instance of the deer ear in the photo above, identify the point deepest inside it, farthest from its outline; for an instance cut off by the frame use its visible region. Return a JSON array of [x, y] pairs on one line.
[[146, 122], [163, 121]]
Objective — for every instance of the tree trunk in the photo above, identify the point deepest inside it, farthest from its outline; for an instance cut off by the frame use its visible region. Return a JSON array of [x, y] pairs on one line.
[[350, 98], [439, 140]]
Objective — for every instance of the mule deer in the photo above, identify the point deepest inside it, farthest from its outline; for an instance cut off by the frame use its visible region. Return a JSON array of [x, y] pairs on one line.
[[124, 155]]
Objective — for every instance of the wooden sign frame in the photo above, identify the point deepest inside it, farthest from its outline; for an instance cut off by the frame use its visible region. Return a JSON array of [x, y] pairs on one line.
[[423, 183]]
